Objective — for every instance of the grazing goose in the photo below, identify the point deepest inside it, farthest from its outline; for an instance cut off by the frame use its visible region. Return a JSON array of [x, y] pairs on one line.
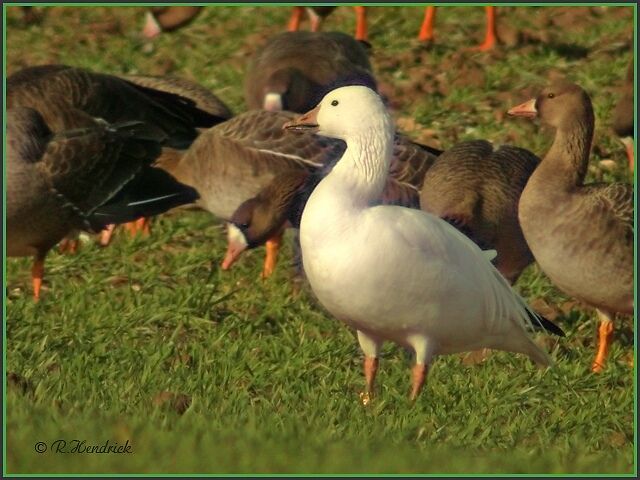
[[65, 96], [167, 19], [203, 99], [82, 178], [280, 203], [318, 14], [234, 160], [623, 116], [395, 273], [290, 70], [477, 189], [490, 39], [580, 235]]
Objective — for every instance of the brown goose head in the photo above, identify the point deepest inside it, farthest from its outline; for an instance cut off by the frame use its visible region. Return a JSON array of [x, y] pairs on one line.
[[558, 105], [289, 89], [260, 218], [166, 19]]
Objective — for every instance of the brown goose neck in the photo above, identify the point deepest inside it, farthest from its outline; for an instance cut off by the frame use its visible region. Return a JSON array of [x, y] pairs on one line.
[[570, 150]]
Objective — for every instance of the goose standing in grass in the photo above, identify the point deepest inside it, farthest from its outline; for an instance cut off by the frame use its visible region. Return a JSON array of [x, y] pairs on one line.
[[395, 273], [79, 179], [318, 14], [203, 99], [580, 235], [289, 71], [623, 116], [233, 161], [69, 97]]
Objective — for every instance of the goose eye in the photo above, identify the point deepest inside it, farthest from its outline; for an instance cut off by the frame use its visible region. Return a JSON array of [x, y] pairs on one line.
[[335, 103], [244, 226], [551, 95]]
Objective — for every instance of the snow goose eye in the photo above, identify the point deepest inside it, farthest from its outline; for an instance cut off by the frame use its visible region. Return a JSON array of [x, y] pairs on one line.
[[335, 103]]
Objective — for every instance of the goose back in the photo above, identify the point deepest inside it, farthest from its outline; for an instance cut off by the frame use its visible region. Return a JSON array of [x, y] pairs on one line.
[[477, 188], [298, 66]]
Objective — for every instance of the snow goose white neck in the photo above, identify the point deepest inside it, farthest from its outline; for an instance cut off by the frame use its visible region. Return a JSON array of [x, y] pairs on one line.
[[395, 273]]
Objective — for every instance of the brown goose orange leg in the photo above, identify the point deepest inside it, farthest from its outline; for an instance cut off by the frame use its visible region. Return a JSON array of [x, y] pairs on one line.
[[106, 234], [426, 30], [314, 19], [37, 274], [490, 38], [139, 226], [361, 23], [273, 246], [68, 245], [605, 336], [294, 21]]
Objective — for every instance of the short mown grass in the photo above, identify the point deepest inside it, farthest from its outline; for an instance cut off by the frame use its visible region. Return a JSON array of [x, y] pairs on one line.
[[200, 370]]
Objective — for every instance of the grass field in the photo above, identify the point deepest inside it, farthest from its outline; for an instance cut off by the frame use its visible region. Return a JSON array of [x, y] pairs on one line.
[[200, 370]]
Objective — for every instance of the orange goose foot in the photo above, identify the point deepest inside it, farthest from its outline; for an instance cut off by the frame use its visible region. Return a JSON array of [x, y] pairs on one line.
[[418, 374], [605, 336], [141, 226], [491, 38], [426, 29], [294, 21], [106, 234], [37, 273], [68, 245], [271, 258], [370, 371], [361, 23]]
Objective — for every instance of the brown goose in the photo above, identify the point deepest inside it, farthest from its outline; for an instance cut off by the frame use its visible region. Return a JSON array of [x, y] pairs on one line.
[[318, 14], [477, 189], [292, 69], [580, 235], [234, 160], [65, 96], [263, 218], [167, 19], [84, 178], [623, 115]]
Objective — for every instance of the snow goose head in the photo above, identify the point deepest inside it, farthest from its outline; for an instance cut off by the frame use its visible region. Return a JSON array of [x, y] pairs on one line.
[[347, 113]]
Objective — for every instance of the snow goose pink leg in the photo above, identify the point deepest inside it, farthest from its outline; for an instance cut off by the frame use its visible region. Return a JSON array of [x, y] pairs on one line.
[[371, 348]]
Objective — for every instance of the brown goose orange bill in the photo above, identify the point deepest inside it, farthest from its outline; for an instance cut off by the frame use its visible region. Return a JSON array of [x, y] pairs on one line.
[[526, 109], [305, 123]]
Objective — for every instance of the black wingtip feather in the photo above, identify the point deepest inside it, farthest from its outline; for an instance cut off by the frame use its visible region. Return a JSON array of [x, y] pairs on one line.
[[541, 323], [152, 192]]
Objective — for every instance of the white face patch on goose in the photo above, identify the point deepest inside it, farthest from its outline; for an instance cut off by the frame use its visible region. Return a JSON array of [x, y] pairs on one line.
[[235, 236], [272, 102]]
